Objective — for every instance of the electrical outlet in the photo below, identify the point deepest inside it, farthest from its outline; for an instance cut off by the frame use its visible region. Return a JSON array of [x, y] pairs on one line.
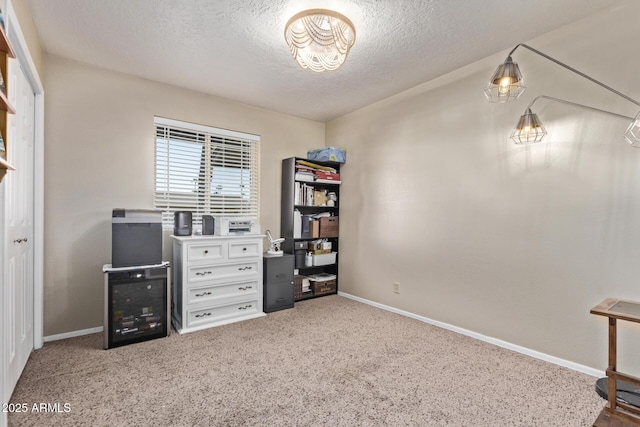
[[396, 287]]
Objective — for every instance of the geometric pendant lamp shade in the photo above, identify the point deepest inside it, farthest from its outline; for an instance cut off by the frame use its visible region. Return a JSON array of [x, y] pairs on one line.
[[632, 135], [506, 84], [529, 129]]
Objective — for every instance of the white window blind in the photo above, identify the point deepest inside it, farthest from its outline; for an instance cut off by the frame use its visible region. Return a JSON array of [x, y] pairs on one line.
[[205, 170]]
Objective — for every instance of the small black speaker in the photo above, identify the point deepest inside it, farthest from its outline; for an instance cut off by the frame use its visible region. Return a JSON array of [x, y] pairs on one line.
[[208, 225], [182, 223]]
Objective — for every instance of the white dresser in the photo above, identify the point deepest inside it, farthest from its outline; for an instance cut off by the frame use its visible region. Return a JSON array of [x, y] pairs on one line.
[[216, 280]]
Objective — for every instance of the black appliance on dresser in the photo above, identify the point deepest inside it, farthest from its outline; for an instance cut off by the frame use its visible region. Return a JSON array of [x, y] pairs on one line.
[[136, 237], [137, 297]]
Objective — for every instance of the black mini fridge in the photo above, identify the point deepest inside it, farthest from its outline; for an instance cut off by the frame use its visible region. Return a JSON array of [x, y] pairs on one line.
[[137, 304]]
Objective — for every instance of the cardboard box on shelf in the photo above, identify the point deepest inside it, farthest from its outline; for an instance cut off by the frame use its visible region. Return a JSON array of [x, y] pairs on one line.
[[329, 226]]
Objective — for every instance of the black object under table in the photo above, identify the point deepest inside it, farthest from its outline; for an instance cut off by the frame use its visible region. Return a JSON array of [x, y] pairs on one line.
[[625, 392]]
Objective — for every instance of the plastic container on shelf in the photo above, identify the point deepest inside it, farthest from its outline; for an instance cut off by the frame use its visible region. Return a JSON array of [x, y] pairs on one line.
[[324, 259]]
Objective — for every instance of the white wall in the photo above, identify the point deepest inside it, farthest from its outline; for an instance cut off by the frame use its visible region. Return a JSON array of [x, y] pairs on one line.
[[512, 242], [99, 136]]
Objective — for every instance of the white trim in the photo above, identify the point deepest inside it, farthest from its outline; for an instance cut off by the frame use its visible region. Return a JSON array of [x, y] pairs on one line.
[[19, 43], [504, 344], [23, 55], [38, 225], [207, 129], [73, 334]]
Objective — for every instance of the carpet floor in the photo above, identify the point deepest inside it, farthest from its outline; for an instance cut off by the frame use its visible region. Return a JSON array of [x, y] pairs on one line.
[[329, 361]]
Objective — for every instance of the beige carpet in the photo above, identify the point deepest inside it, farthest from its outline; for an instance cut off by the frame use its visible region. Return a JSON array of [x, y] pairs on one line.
[[327, 362]]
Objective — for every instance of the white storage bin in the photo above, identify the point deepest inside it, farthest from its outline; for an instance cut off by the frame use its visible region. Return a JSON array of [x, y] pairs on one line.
[[324, 259]]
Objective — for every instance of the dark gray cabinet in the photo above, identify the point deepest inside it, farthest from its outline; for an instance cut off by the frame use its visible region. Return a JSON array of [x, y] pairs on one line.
[[278, 282]]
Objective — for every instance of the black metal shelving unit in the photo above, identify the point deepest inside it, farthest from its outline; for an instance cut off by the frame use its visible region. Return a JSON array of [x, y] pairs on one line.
[[288, 207]]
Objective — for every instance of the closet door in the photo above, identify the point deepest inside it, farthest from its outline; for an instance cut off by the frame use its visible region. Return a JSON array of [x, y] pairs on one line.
[[19, 227]]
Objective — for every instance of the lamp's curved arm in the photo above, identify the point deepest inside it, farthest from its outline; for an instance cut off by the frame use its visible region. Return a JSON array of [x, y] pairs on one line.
[[575, 104], [575, 71]]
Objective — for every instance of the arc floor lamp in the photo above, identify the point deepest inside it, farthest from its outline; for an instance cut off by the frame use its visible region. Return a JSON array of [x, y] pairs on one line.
[[507, 85]]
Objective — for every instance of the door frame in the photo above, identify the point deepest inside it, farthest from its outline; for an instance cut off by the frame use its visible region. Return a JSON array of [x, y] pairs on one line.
[[23, 56]]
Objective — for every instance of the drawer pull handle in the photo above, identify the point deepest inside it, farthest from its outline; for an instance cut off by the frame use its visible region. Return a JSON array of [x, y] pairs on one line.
[[203, 315], [245, 307], [206, 252], [281, 299], [244, 249], [204, 273], [204, 294], [281, 275], [245, 268], [245, 288]]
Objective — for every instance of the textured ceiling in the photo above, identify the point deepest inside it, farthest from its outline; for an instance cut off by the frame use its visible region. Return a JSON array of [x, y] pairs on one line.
[[236, 49]]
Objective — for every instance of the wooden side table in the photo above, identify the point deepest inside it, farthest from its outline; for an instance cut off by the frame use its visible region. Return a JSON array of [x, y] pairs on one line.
[[616, 413]]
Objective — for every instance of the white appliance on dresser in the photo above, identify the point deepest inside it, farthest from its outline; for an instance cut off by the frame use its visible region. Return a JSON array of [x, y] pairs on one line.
[[216, 280]]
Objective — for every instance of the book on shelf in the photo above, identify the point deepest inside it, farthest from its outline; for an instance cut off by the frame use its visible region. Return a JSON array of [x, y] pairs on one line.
[[297, 224], [304, 176], [296, 193], [307, 226], [305, 163], [307, 195], [311, 172], [329, 176], [304, 194], [322, 277], [3, 88]]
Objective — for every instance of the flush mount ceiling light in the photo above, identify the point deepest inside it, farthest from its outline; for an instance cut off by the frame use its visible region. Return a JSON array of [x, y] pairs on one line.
[[507, 85], [319, 39]]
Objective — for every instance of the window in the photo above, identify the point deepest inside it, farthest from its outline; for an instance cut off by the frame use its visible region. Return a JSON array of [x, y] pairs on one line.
[[205, 170]]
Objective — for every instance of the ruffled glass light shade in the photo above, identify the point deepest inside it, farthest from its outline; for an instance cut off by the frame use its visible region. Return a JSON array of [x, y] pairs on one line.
[[506, 84], [320, 39], [529, 129]]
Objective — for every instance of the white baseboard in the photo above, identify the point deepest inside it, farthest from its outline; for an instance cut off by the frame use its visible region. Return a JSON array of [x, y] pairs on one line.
[[523, 350], [73, 334]]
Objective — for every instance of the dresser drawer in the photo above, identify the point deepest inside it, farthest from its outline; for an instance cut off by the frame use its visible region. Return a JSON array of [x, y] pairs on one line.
[[214, 314], [223, 272], [211, 252], [213, 293], [245, 249]]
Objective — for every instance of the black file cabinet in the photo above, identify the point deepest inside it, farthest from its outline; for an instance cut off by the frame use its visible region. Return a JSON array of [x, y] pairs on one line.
[[278, 282]]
